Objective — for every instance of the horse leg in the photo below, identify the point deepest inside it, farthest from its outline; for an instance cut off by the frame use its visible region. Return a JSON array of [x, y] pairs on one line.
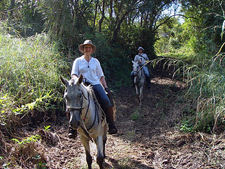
[[85, 142], [137, 93], [141, 95], [138, 99], [100, 149], [104, 142], [140, 102]]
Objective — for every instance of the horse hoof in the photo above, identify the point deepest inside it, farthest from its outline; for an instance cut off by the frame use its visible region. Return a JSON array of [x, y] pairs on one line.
[[100, 161]]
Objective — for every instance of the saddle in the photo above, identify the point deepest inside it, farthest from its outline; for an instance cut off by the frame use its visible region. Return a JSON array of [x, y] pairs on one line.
[[107, 91]]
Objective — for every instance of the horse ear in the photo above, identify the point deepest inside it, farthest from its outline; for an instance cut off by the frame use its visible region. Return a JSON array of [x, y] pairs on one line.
[[80, 80], [64, 81]]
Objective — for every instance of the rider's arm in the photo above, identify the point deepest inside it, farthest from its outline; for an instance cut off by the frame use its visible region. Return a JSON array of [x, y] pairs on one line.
[[103, 82], [146, 57], [75, 68]]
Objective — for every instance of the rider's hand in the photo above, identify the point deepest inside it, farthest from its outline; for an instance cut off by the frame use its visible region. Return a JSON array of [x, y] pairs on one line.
[[107, 90]]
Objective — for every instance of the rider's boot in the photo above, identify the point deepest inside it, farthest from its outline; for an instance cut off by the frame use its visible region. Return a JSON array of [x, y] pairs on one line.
[[109, 119], [72, 133], [148, 82]]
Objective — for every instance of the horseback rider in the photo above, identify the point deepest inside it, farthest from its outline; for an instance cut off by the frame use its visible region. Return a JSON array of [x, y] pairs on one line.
[[92, 72], [142, 58]]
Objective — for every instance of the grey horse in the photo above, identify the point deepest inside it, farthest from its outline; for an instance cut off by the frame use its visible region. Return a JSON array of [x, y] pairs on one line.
[[139, 81], [86, 116]]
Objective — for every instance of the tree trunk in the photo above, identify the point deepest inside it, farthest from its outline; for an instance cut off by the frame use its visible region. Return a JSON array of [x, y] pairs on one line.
[[103, 15], [96, 9], [117, 29], [111, 9]]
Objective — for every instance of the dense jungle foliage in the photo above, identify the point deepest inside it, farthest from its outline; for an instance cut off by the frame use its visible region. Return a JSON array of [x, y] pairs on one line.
[[39, 41]]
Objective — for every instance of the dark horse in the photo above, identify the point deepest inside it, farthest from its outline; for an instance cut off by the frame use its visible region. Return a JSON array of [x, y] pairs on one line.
[[86, 116]]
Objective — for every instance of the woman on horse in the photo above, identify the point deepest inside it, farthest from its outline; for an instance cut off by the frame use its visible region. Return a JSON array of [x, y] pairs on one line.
[[92, 72]]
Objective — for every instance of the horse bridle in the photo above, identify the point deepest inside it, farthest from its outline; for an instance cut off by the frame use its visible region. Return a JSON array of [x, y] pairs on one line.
[[81, 107], [141, 67], [80, 111]]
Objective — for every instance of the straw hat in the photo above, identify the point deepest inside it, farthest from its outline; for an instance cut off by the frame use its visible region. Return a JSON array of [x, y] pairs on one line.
[[87, 42], [140, 48]]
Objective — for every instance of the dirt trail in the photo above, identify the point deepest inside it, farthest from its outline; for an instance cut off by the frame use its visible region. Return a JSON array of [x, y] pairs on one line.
[[135, 143], [148, 137]]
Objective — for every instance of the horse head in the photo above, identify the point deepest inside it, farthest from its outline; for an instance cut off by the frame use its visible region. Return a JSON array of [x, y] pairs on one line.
[[74, 96], [136, 67]]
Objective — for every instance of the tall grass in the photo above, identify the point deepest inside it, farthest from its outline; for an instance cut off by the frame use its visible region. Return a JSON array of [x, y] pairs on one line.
[[204, 97], [206, 86], [29, 74]]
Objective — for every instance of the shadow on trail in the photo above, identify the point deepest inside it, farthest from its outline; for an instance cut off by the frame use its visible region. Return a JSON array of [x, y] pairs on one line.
[[152, 118], [117, 164], [140, 126]]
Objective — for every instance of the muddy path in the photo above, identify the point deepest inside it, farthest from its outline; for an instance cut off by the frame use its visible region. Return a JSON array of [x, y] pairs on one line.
[[148, 137]]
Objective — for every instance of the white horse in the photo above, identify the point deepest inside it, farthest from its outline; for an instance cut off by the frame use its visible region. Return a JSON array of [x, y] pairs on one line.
[[87, 117], [139, 81]]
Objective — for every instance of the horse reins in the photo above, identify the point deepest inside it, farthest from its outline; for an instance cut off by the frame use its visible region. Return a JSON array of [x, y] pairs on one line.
[[81, 108], [143, 66], [76, 108]]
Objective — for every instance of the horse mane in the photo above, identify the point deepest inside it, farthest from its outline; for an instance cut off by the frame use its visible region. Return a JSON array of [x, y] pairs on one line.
[[91, 92]]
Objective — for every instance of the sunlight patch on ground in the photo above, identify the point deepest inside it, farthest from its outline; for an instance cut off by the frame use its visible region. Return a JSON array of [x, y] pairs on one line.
[[118, 151]]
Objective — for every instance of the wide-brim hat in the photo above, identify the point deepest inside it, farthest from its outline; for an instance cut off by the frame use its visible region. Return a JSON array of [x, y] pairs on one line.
[[140, 48], [87, 42]]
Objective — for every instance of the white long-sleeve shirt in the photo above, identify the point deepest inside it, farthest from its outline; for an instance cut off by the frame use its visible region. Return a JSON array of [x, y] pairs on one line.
[[91, 71]]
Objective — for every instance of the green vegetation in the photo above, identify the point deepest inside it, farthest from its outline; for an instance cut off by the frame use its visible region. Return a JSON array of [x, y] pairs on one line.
[[39, 41], [27, 151], [206, 88], [30, 70], [28, 140], [136, 115], [196, 49], [31, 65]]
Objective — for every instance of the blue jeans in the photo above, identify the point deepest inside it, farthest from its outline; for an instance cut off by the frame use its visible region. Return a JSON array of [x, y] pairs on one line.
[[101, 96]]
